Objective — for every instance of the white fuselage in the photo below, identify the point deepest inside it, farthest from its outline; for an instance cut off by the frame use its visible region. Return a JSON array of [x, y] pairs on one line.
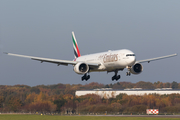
[[111, 60]]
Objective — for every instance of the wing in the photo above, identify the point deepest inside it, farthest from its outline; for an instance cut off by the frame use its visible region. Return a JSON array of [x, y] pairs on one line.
[[158, 58], [56, 61]]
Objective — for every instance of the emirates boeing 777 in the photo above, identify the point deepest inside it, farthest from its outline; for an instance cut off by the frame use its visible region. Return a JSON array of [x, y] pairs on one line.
[[110, 61]]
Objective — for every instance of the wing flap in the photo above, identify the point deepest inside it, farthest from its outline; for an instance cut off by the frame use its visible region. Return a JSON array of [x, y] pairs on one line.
[[51, 61], [158, 58]]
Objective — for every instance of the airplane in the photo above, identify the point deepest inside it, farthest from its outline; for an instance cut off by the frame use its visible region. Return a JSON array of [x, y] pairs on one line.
[[110, 61]]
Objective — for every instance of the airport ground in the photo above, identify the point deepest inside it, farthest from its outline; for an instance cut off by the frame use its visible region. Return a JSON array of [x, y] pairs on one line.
[[95, 117]]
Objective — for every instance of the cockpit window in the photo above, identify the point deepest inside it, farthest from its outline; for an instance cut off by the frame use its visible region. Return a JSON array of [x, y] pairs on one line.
[[130, 55]]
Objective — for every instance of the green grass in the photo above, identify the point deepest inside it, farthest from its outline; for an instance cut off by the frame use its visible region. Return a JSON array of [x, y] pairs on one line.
[[49, 117]]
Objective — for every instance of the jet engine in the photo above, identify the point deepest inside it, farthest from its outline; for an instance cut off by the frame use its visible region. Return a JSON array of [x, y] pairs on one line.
[[136, 69], [81, 68]]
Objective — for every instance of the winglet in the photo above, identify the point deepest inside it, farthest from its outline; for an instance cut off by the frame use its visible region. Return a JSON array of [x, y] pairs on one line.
[[75, 45]]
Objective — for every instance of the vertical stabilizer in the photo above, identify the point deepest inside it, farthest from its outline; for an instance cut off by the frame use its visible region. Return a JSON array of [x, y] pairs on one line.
[[75, 46]]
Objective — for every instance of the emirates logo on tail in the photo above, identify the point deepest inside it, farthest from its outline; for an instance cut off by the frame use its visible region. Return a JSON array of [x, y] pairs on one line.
[[75, 46]]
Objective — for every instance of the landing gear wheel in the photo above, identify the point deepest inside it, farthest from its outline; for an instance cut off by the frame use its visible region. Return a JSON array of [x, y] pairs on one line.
[[113, 78], [118, 77], [85, 77], [82, 78], [128, 73]]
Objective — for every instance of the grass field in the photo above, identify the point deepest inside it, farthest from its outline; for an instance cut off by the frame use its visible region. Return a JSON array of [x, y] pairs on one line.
[[49, 117]]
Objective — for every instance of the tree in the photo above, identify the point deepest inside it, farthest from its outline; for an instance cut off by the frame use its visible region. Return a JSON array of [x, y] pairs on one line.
[[120, 96], [166, 85], [42, 106], [69, 106], [145, 85], [35, 90], [116, 107], [138, 108], [159, 85], [126, 85], [14, 104], [30, 98], [106, 86], [117, 86], [1, 101], [41, 97], [174, 85], [59, 103]]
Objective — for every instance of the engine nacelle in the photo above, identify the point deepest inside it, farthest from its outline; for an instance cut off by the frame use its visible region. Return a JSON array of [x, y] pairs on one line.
[[136, 69], [81, 68]]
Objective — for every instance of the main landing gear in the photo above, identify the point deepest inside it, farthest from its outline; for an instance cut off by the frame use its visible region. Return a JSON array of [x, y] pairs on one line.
[[116, 77], [85, 77]]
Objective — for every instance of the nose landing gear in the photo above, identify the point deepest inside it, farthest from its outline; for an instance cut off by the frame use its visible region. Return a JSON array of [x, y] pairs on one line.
[[128, 73]]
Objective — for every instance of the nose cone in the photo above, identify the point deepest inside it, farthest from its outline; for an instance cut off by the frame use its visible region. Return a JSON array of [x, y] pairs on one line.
[[131, 60]]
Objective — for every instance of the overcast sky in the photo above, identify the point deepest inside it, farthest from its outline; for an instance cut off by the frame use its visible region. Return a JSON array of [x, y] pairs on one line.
[[149, 28]]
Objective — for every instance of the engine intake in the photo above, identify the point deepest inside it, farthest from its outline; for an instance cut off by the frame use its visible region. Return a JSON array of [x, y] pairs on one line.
[[81, 68], [136, 69]]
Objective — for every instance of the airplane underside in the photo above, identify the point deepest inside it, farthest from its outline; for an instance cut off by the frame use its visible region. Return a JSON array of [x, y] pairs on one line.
[[116, 77]]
